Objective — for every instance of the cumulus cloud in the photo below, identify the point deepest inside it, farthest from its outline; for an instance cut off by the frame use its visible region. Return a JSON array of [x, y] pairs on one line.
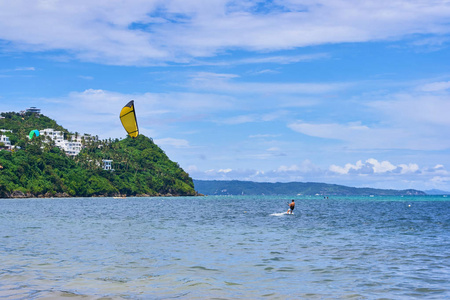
[[143, 32], [373, 166]]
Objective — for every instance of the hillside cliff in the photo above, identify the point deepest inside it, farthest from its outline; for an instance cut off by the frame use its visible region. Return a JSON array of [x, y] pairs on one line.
[[37, 168]]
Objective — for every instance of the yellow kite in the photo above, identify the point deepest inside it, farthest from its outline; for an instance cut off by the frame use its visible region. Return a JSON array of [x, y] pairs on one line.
[[128, 119]]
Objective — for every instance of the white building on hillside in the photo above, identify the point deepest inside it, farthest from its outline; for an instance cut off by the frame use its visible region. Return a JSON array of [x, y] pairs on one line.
[[107, 164], [5, 140], [86, 137], [53, 134], [34, 109], [71, 148]]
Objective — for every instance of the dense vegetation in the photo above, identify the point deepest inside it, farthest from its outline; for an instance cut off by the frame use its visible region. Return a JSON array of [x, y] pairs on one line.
[[36, 168], [235, 187]]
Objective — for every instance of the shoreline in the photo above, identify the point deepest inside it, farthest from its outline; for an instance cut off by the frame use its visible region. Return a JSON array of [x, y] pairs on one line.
[[22, 195]]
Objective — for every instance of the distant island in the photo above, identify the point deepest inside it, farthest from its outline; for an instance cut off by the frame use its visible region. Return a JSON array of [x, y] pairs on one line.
[[437, 192], [235, 187], [40, 158]]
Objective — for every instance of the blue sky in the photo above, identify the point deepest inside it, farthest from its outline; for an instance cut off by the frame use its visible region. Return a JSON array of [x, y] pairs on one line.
[[326, 91]]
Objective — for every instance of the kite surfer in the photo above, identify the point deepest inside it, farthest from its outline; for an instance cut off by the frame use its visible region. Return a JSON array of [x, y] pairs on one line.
[[291, 207]]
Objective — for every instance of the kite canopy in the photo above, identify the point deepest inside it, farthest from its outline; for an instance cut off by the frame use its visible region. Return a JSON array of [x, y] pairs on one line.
[[32, 133], [128, 119]]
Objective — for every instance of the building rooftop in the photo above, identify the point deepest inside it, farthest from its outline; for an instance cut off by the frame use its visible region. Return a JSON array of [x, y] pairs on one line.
[[34, 109]]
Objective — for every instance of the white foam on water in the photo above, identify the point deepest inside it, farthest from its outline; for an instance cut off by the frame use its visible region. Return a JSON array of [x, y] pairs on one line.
[[280, 214]]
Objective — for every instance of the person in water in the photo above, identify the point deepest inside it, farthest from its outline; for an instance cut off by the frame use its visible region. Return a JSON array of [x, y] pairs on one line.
[[291, 207]]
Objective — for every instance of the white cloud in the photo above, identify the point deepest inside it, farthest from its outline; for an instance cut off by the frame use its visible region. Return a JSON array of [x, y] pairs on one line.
[[288, 168], [148, 103], [239, 119], [331, 130], [304, 169], [223, 83], [432, 43], [18, 69], [408, 120], [226, 174], [274, 149], [380, 167], [346, 169], [252, 118], [373, 166], [278, 59], [358, 136], [409, 168], [86, 77], [96, 111], [177, 143], [25, 69], [420, 120], [427, 109], [436, 86], [144, 32], [440, 180], [261, 136], [285, 59]]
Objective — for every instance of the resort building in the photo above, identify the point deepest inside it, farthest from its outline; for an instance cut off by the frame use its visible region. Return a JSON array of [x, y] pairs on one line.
[[87, 138], [34, 110], [107, 164], [55, 135], [71, 148], [6, 142]]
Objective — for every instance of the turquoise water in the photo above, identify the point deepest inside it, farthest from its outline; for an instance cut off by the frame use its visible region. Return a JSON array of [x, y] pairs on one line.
[[225, 248]]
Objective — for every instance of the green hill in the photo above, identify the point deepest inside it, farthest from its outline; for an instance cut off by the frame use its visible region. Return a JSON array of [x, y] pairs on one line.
[[235, 187], [37, 168]]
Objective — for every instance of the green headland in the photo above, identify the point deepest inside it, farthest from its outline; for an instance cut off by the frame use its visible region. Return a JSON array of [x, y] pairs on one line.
[[40, 167]]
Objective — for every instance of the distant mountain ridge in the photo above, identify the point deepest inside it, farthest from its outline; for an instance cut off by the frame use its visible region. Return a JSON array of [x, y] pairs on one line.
[[437, 192], [235, 187]]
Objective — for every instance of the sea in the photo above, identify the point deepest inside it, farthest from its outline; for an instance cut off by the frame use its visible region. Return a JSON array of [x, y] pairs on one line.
[[225, 247]]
